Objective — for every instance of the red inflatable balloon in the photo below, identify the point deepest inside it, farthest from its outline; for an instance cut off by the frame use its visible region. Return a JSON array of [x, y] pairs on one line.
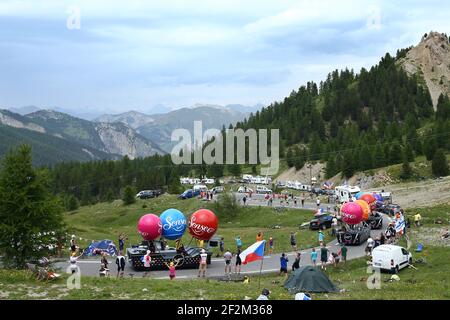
[[351, 213], [150, 227], [370, 199], [203, 224]]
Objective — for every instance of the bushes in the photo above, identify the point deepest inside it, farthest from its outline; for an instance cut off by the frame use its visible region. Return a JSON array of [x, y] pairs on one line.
[[227, 205], [129, 195]]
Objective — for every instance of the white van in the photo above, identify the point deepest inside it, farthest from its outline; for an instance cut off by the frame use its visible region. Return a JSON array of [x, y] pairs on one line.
[[346, 193], [391, 258], [200, 187]]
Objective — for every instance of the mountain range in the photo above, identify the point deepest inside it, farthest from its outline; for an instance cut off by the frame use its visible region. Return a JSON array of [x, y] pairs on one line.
[[132, 133], [159, 127]]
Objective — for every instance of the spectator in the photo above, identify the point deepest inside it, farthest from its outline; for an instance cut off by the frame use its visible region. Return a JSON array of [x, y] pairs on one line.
[[270, 245], [122, 238], [237, 267], [369, 246], [228, 256], [323, 257], [318, 202], [120, 261], [314, 257], [293, 241], [172, 269], [336, 259], [296, 263], [417, 219], [321, 237], [343, 252], [283, 264], [221, 245], [264, 295], [203, 262], [238, 242], [244, 200]]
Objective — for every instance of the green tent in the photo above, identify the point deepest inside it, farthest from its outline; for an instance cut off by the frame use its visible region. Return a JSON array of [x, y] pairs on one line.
[[309, 279]]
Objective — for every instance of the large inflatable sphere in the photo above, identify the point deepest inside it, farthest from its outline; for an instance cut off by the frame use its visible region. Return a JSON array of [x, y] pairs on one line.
[[358, 195], [370, 199], [150, 227], [203, 224], [173, 224], [378, 197], [351, 213], [366, 209]]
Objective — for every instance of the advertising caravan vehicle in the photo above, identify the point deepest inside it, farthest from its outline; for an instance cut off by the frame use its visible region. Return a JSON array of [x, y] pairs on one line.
[[346, 193], [392, 258]]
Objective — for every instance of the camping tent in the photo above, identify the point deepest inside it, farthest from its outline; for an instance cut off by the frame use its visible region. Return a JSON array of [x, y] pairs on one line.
[[309, 279], [101, 246]]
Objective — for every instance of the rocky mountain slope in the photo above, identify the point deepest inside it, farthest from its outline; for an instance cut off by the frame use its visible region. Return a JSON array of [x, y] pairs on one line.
[[430, 60], [159, 127], [113, 139]]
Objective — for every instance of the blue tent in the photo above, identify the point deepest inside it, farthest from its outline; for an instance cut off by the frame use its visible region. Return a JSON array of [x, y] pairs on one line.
[[107, 246]]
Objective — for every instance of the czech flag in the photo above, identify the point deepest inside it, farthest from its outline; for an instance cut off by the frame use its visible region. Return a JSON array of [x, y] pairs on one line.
[[254, 252]]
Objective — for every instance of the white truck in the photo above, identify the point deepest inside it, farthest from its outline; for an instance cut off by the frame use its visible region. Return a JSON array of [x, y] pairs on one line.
[[346, 193]]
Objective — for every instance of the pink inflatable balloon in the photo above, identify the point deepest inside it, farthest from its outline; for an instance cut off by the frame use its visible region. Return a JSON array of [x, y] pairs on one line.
[[150, 227], [352, 213]]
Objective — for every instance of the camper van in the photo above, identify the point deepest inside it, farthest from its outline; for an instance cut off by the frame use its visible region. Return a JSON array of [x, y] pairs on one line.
[[391, 258], [346, 193], [247, 178]]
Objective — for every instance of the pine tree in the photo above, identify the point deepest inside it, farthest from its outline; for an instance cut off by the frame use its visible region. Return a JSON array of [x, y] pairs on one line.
[[395, 153], [29, 213], [174, 183], [72, 203], [439, 166], [330, 169], [430, 147], [409, 153], [289, 158], [129, 195], [407, 171]]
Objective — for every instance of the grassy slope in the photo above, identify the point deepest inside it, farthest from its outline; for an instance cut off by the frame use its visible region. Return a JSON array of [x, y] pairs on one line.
[[107, 220], [430, 281]]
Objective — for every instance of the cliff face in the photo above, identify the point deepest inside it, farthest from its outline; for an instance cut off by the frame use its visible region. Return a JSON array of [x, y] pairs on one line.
[[430, 60], [119, 139]]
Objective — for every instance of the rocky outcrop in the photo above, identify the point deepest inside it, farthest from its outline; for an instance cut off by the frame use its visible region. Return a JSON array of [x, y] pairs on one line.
[[119, 139], [430, 61], [9, 119]]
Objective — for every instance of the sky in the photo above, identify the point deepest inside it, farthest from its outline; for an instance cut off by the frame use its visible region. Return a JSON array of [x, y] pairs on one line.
[[111, 56]]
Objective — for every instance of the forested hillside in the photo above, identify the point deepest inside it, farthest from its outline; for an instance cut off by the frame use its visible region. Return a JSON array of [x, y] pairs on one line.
[[358, 121]]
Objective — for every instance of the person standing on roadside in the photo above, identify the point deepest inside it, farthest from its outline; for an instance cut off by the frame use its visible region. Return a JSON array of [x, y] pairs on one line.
[[228, 256]]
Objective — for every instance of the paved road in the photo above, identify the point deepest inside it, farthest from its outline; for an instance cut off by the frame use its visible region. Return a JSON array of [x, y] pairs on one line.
[[271, 262]]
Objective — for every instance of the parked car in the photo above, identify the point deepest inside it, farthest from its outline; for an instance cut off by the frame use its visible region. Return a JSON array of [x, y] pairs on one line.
[[263, 189], [321, 222], [218, 189], [390, 258], [147, 194], [244, 189], [390, 209], [190, 193], [354, 237]]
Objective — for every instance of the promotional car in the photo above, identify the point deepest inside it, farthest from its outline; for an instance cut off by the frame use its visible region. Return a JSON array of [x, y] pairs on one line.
[[353, 236], [375, 221], [187, 259]]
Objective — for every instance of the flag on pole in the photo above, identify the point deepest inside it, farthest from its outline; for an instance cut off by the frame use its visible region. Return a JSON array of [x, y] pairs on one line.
[[253, 253], [400, 224]]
